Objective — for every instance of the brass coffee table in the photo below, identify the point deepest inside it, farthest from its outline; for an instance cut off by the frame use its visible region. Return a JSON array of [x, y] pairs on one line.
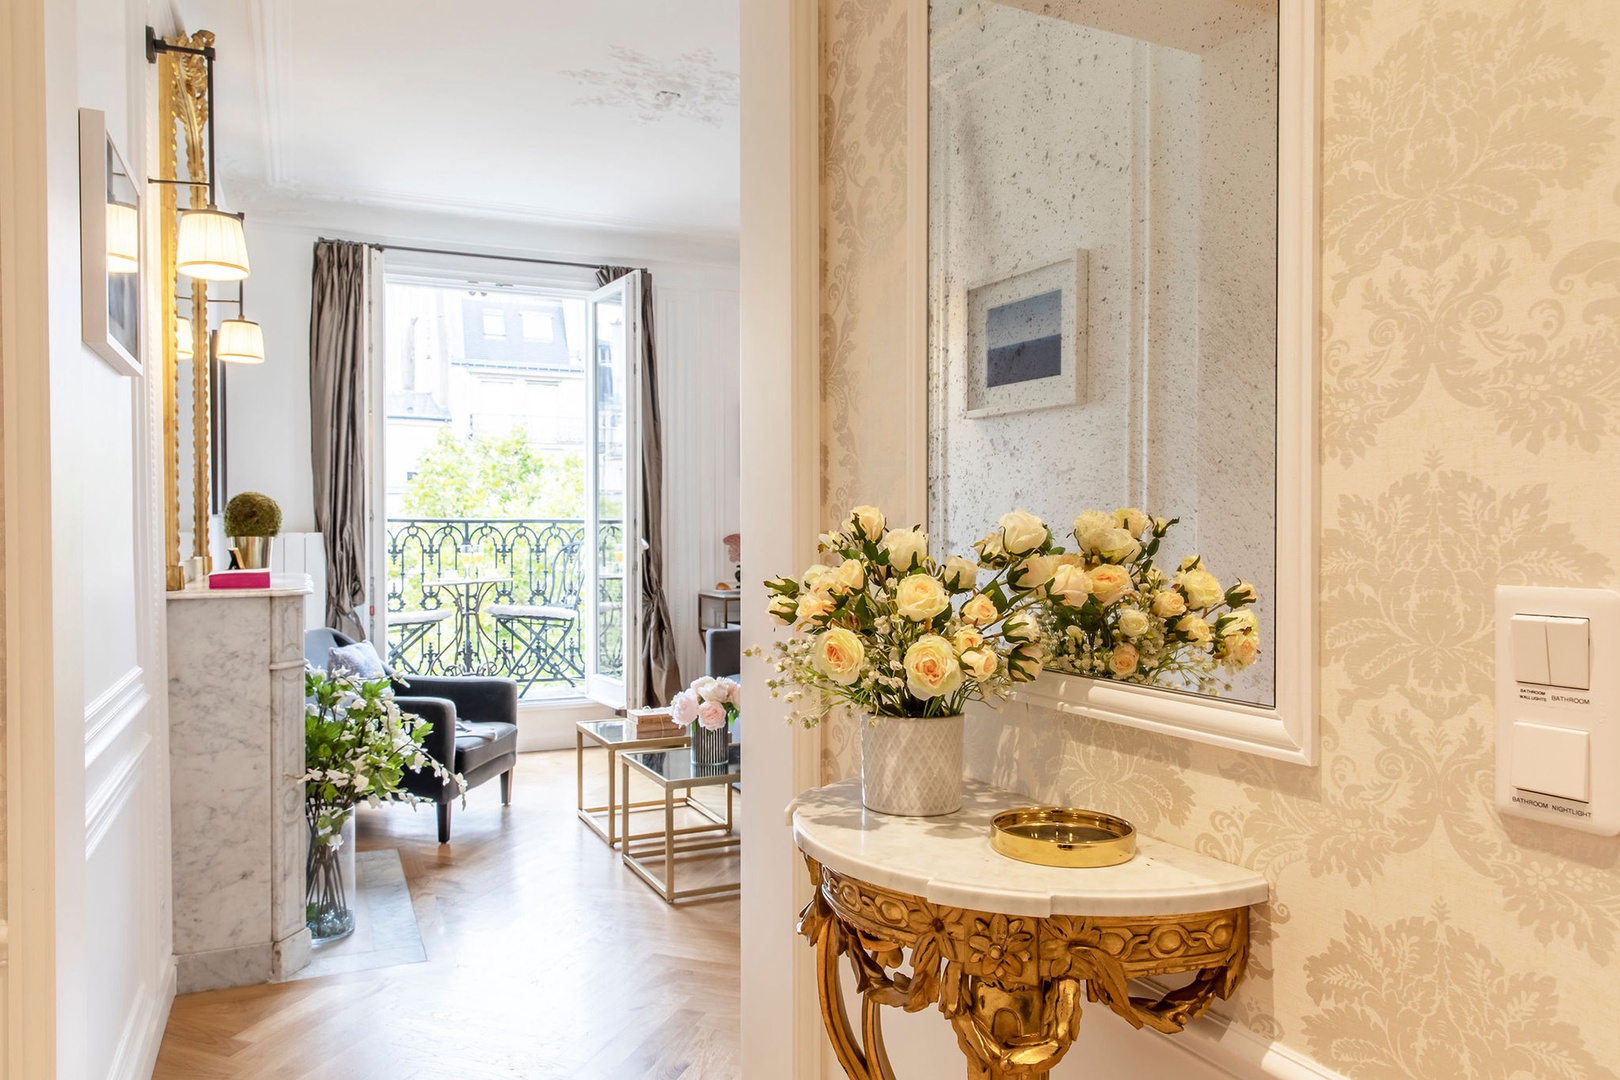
[[614, 737], [674, 771]]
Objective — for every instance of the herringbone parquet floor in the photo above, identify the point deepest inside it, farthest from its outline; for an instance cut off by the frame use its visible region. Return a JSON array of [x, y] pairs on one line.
[[546, 959]]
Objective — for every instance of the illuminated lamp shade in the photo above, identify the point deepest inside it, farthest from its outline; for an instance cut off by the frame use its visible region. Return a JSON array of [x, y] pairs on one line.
[[238, 341], [123, 239], [184, 339], [211, 246]]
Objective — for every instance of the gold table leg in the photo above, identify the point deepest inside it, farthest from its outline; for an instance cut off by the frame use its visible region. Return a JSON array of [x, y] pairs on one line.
[[1010, 985]]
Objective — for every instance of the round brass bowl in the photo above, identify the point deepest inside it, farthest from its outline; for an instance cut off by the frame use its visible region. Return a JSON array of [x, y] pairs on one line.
[[1056, 836]]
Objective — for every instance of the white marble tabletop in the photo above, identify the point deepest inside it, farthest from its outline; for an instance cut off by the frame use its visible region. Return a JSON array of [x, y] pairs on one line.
[[280, 585], [948, 860]]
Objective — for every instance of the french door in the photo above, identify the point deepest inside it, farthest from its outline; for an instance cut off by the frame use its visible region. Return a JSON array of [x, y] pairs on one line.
[[613, 531]]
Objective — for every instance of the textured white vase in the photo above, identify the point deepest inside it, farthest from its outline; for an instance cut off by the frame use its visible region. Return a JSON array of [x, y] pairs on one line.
[[912, 766]]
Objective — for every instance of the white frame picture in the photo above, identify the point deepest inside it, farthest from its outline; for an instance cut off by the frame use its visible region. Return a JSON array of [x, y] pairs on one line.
[[110, 303], [981, 303]]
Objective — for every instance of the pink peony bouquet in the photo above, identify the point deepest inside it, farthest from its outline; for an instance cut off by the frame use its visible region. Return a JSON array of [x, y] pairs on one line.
[[709, 702]]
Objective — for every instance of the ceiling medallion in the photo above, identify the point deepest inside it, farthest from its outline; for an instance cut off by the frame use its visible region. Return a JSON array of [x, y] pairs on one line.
[[693, 87]]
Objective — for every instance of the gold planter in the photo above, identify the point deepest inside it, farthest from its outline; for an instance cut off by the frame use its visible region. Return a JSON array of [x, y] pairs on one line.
[[252, 552]]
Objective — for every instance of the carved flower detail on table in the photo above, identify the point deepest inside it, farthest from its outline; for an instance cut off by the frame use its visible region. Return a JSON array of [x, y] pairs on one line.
[[935, 928], [1426, 998], [1000, 946]]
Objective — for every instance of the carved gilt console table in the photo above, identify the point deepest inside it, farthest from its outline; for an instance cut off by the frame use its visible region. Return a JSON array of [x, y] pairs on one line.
[[928, 914]]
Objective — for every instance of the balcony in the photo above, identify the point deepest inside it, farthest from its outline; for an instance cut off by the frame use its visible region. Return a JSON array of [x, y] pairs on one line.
[[502, 597]]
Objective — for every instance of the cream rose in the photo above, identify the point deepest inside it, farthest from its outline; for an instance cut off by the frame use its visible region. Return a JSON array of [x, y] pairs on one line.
[[1025, 662], [1240, 593], [813, 603], [1036, 571], [931, 667], [906, 548], [1200, 588], [979, 611], [784, 609], [1169, 605], [1021, 627], [849, 577], [980, 663], [1242, 649], [840, 655], [1124, 659], [920, 597], [1021, 532], [1117, 545], [1132, 520], [1194, 628], [1070, 584], [1133, 623], [1092, 521], [967, 639], [1109, 583], [869, 520], [961, 573], [990, 549], [1238, 622], [813, 575]]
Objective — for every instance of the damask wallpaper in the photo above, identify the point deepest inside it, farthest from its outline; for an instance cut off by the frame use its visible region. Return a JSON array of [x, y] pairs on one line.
[[1470, 429]]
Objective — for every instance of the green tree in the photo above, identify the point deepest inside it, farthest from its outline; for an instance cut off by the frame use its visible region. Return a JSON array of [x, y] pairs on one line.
[[498, 476]]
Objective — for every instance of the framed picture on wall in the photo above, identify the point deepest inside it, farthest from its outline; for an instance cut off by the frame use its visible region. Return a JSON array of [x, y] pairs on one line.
[[1026, 340], [109, 247]]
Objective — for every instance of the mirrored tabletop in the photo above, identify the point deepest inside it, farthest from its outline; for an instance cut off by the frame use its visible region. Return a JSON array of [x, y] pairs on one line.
[[674, 768]]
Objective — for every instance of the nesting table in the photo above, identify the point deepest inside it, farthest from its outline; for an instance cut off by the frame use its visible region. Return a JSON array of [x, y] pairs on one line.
[[615, 737], [674, 771], [1006, 949]]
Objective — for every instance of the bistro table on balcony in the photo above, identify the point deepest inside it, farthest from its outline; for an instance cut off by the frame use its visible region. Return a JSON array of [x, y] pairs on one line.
[[468, 595]]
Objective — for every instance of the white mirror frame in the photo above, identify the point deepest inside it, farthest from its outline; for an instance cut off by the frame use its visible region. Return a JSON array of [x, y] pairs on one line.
[[1288, 730]]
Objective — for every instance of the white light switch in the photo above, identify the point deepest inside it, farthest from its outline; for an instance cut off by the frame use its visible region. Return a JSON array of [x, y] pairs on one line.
[[1552, 761], [1569, 652], [1530, 649]]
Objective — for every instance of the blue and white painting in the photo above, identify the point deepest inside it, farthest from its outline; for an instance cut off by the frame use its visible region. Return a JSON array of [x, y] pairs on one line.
[[1024, 339]]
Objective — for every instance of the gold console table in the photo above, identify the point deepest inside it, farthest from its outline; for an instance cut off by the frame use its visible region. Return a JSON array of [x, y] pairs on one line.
[[928, 915]]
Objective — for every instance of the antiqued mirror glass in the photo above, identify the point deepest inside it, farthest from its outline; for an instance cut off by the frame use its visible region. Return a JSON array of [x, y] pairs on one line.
[[1103, 269]]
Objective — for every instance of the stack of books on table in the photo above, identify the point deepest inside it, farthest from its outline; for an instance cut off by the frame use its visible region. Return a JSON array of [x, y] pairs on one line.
[[652, 724]]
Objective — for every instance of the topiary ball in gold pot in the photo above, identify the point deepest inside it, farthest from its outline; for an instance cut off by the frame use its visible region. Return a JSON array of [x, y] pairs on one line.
[[252, 521]]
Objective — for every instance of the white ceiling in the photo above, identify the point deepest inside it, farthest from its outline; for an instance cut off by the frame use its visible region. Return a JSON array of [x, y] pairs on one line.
[[537, 110]]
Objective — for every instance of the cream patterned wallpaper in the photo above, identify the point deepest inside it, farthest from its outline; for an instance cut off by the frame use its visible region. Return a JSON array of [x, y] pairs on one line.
[[1470, 433]]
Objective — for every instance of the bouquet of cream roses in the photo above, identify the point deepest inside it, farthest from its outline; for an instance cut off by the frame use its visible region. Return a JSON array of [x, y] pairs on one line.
[[888, 629], [1116, 615]]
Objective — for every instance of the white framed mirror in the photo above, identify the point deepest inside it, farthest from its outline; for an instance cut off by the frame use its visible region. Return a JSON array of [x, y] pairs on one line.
[[1122, 309]]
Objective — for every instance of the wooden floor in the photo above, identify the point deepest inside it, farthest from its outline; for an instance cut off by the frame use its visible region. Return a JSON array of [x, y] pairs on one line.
[[546, 958]]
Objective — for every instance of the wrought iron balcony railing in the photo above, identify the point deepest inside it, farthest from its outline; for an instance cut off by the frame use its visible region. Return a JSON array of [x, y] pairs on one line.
[[500, 597]]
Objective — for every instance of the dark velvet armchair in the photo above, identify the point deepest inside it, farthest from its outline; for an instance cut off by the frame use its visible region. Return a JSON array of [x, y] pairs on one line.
[[474, 726]]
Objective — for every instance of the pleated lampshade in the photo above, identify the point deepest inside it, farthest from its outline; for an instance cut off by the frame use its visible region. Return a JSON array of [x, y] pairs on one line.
[[123, 239], [238, 341], [211, 245], [185, 339]]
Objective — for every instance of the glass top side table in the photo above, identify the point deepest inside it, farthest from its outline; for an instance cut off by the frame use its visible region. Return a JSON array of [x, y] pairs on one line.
[[674, 771], [612, 736]]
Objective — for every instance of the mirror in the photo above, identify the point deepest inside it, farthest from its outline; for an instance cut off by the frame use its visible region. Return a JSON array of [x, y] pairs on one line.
[[1103, 243]]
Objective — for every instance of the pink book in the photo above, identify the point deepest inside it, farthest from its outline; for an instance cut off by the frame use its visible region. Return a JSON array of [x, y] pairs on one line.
[[239, 579]]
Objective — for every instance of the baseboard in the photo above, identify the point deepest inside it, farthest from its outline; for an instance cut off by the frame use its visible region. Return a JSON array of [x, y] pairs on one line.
[[1245, 1054], [143, 1035], [550, 726]]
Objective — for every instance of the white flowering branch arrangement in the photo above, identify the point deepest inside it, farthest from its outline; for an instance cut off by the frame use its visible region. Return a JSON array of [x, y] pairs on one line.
[[1116, 615], [709, 702], [891, 631], [357, 746]]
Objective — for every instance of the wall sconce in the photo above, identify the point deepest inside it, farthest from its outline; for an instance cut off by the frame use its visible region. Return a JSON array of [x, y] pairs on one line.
[[238, 341], [123, 239], [185, 340], [211, 244]]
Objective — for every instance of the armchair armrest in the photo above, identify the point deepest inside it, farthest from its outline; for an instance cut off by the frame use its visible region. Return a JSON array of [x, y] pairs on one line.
[[474, 697]]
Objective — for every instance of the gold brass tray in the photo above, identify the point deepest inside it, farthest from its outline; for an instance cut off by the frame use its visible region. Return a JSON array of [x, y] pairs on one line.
[[1058, 836]]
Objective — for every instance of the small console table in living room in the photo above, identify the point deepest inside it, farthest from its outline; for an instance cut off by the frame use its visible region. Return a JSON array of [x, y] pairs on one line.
[[1006, 949]]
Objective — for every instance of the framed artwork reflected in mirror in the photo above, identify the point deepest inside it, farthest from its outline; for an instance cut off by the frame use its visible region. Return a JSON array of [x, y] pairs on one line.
[[109, 247]]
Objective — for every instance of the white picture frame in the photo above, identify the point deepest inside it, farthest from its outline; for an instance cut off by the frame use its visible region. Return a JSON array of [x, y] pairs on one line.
[[111, 258], [1025, 345]]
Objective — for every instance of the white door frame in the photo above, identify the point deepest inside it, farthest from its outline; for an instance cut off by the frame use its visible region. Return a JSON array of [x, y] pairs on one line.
[[28, 932], [781, 434]]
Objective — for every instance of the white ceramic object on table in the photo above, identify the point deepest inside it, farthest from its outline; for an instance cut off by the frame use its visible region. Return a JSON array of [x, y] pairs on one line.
[[912, 766]]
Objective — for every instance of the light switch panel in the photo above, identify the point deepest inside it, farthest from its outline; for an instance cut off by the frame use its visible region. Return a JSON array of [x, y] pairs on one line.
[[1557, 700]]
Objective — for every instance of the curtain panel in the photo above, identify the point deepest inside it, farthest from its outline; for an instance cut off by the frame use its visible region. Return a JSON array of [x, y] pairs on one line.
[[339, 342], [661, 672]]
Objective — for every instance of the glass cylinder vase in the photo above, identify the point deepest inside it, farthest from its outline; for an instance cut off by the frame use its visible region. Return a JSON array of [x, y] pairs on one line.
[[330, 880], [710, 747]]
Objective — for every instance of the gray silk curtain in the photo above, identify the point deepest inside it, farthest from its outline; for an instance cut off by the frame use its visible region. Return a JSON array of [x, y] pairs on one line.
[[338, 331], [661, 672]]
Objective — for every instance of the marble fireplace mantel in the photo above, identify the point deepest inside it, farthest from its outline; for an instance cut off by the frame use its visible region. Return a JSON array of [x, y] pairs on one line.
[[236, 748]]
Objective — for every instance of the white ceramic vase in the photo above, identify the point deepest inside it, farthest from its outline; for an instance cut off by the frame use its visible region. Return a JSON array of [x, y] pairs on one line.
[[912, 766]]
